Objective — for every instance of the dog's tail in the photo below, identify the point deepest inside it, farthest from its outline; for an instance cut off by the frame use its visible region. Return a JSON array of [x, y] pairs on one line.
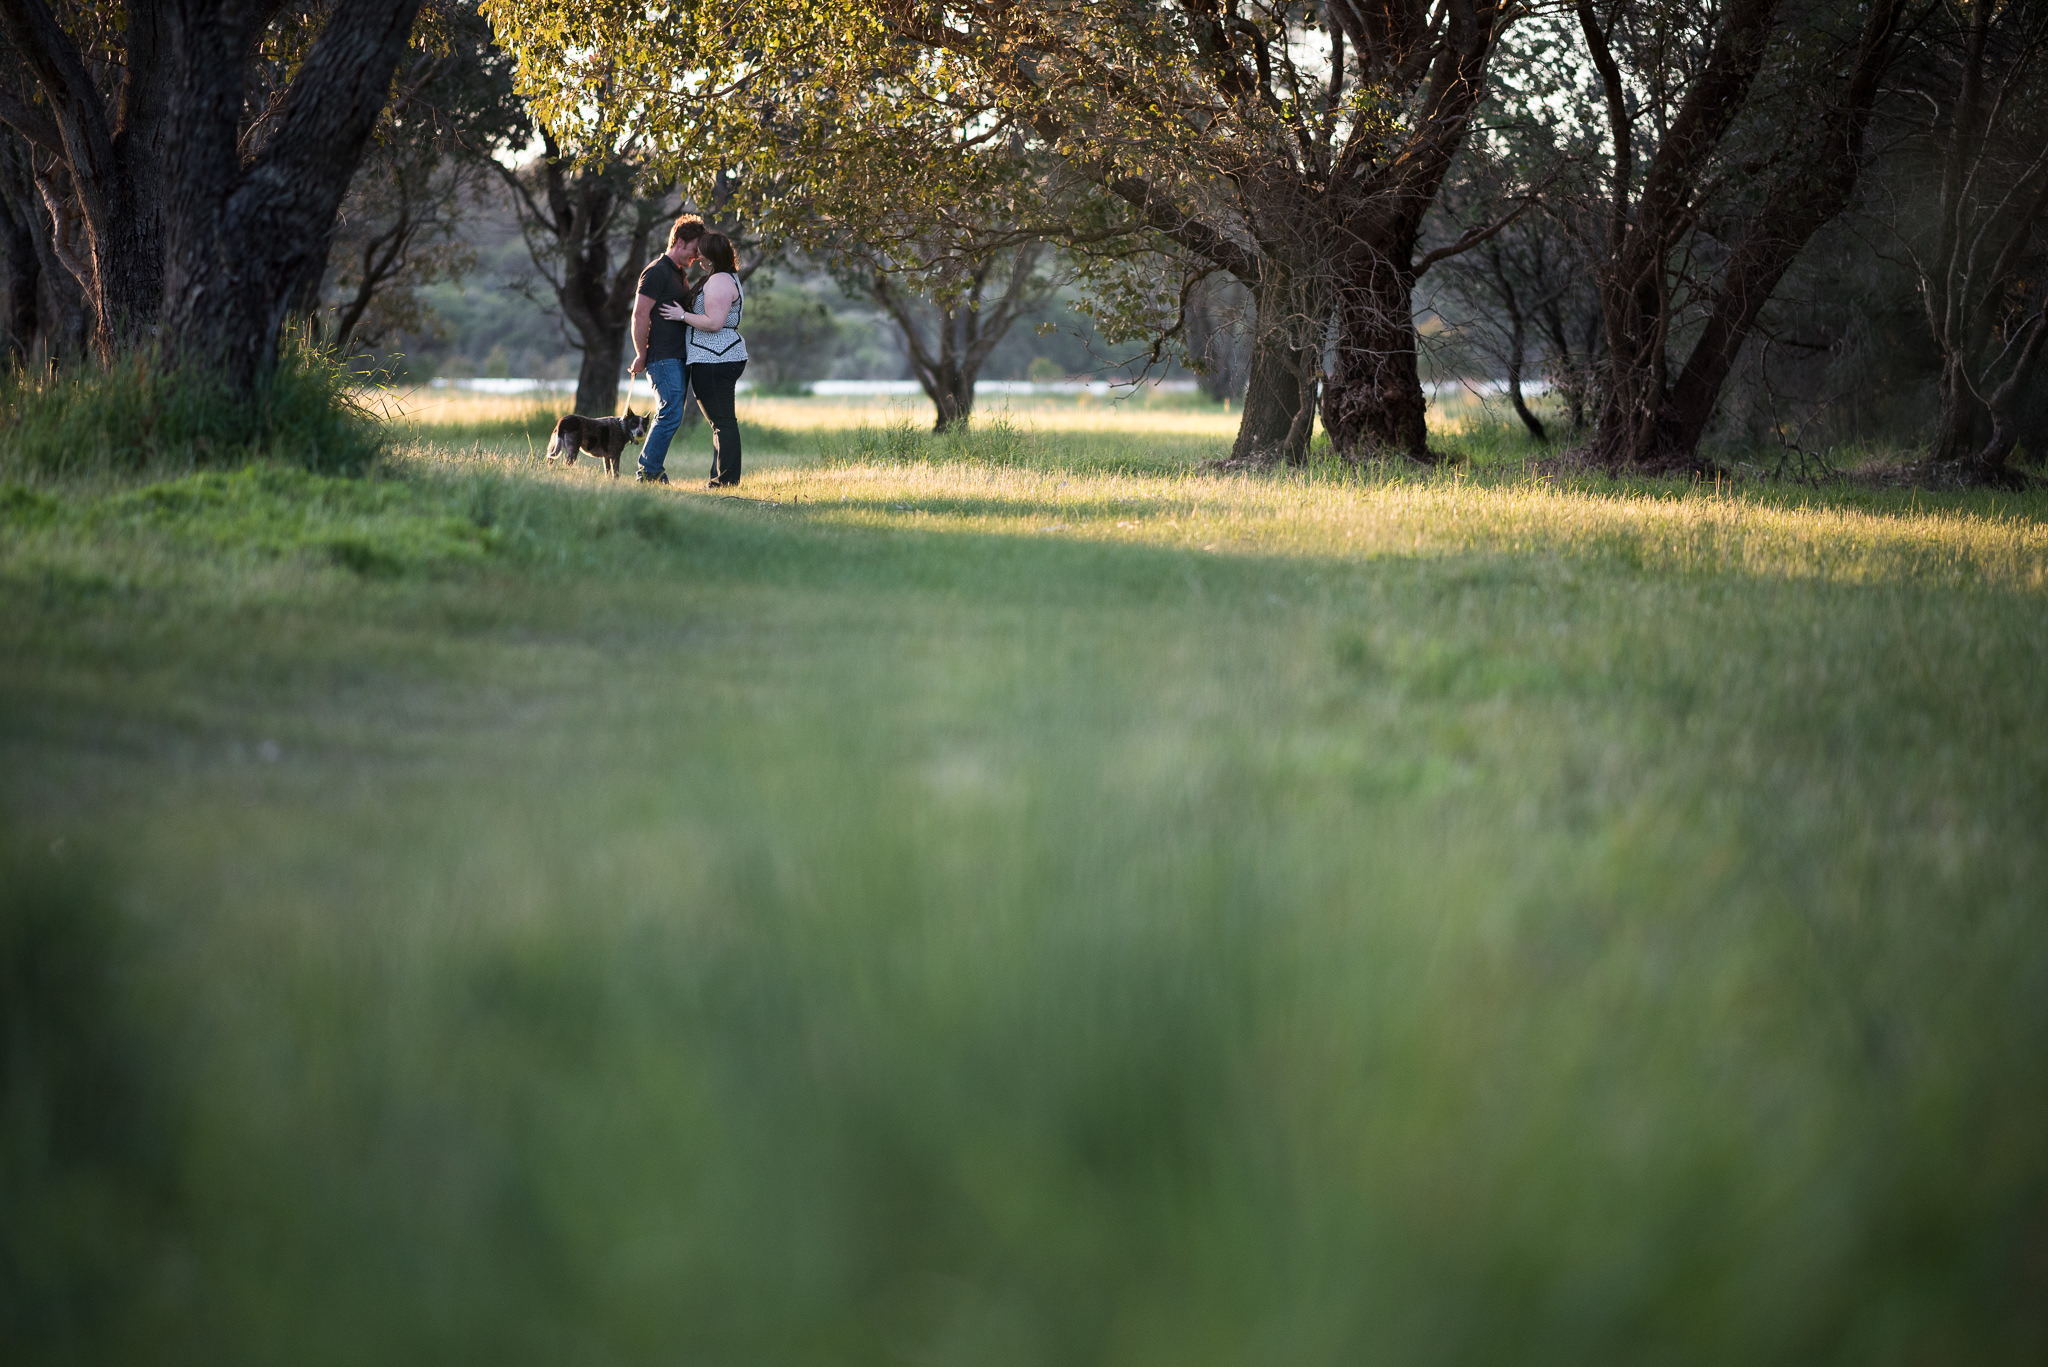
[[554, 443]]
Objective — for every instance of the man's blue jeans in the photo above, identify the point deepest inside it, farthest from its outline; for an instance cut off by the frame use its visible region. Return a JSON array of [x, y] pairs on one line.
[[666, 375]]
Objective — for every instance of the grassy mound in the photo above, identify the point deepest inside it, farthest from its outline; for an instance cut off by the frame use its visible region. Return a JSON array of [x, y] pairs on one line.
[[141, 415]]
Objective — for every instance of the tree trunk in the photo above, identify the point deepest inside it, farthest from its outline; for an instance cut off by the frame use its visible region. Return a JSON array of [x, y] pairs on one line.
[[951, 390], [127, 292], [1635, 426], [586, 299], [578, 208], [24, 267], [946, 375], [1290, 320], [1985, 306], [969, 324], [1272, 401], [1977, 435], [1515, 343], [597, 380], [240, 238], [1374, 401]]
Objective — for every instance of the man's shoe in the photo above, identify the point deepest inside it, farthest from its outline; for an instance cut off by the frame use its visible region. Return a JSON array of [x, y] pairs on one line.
[[642, 477]]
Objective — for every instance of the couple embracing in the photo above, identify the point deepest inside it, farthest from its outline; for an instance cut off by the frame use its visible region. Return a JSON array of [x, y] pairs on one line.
[[686, 337]]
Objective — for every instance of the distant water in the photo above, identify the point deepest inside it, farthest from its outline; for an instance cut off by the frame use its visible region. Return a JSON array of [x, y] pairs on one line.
[[846, 388]]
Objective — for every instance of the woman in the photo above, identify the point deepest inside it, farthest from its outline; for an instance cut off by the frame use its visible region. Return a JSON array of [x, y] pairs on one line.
[[717, 353]]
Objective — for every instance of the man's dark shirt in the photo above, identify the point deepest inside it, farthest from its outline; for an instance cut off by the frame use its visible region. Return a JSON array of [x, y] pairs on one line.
[[663, 282]]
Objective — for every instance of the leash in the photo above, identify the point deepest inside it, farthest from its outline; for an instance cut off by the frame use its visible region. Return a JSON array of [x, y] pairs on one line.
[[631, 380]]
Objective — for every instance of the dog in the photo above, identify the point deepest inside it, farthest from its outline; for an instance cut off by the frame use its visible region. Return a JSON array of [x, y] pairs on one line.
[[604, 438]]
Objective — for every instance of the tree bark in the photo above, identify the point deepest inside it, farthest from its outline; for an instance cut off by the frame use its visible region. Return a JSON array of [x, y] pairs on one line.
[[1374, 401], [597, 378], [240, 238], [951, 391], [23, 271], [114, 150], [1272, 399], [1289, 324]]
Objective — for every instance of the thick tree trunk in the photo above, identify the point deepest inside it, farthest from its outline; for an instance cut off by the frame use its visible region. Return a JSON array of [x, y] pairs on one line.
[[597, 379], [951, 390], [1637, 427], [127, 244], [1374, 402], [241, 239], [1289, 321], [1272, 398], [586, 298]]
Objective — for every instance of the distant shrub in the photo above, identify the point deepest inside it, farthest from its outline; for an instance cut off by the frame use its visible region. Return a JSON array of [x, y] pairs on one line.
[[141, 413]]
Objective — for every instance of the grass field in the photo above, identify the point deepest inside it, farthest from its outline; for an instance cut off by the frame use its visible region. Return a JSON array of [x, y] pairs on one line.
[[1018, 899]]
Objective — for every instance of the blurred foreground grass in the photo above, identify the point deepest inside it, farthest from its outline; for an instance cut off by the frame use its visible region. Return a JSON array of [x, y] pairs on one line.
[[1007, 901]]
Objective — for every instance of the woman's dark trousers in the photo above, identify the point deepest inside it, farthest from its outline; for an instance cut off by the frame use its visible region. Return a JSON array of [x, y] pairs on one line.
[[713, 383]]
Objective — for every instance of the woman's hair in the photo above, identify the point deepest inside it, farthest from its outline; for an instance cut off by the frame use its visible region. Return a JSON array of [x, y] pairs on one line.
[[717, 249]]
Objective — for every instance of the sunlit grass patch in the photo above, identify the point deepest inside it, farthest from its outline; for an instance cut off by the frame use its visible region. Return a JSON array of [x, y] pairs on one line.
[[455, 415], [1666, 530]]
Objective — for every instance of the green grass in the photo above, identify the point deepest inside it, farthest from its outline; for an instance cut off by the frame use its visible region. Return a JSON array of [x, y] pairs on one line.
[[1010, 900], [142, 415]]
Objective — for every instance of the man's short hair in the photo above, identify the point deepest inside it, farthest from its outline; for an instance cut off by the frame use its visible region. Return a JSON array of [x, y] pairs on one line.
[[688, 228]]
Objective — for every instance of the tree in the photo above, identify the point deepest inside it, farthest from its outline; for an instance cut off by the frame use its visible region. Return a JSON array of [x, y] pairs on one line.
[[952, 309], [591, 227], [1528, 292], [1715, 181], [199, 217], [1982, 264]]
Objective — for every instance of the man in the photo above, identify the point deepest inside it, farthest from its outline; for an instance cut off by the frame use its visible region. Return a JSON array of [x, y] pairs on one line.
[[660, 345]]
